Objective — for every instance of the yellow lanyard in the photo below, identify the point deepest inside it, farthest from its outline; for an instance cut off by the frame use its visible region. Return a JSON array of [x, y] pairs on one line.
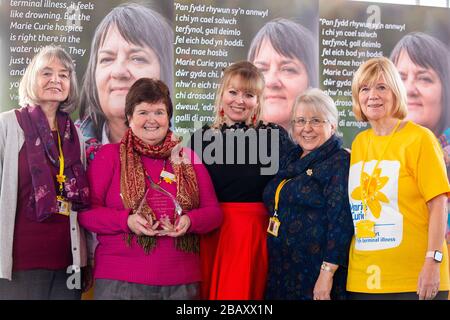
[[277, 195], [364, 193], [60, 178]]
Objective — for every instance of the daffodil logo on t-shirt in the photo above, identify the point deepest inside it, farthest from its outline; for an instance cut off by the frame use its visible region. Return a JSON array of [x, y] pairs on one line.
[[372, 186], [381, 194]]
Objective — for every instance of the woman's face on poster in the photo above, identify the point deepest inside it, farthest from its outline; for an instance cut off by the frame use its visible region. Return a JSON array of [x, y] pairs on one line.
[[285, 79], [424, 90], [119, 65]]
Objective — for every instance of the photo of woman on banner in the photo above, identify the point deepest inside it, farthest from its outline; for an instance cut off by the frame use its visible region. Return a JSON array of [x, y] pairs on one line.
[[130, 43], [286, 53], [423, 62], [43, 185]]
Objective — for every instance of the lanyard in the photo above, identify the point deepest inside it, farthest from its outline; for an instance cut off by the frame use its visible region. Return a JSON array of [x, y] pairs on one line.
[[161, 175], [365, 191], [60, 178], [277, 195]]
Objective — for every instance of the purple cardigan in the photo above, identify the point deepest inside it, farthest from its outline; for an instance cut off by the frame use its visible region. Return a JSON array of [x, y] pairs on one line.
[[164, 265]]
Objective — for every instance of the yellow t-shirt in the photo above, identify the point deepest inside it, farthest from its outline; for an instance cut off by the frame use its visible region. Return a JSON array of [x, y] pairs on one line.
[[411, 172]]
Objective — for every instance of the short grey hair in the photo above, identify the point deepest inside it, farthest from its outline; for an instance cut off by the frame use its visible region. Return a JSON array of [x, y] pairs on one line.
[[318, 102], [29, 84]]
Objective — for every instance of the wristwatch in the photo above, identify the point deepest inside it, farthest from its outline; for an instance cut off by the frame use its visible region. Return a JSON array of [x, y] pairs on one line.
[[326, 267], [436, 255]]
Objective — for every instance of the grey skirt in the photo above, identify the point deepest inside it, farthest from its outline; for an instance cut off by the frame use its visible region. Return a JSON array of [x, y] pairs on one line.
[[106, 289]]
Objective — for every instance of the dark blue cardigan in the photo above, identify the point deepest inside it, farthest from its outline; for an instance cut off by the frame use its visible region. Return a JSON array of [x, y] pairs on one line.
[[316, 222]]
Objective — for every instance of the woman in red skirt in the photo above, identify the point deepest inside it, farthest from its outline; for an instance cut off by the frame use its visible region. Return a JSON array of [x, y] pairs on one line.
[[241, 154]]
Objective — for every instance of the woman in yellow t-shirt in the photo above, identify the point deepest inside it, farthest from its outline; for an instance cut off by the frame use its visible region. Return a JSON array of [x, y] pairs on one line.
[[398, 192]]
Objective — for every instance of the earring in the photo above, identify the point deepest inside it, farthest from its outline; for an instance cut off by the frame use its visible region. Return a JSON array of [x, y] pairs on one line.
[[222, 113], [254, 120]]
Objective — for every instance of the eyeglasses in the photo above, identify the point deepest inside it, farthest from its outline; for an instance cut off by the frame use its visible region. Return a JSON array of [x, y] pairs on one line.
[[314, 122]]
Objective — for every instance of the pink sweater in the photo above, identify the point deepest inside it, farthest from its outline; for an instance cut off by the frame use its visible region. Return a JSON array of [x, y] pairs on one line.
[[164, 265]]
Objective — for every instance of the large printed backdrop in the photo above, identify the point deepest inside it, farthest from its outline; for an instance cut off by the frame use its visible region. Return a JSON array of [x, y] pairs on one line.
[[209, 35]]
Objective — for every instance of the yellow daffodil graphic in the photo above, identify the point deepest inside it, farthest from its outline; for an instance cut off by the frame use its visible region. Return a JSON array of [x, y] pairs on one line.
[[370, 191]]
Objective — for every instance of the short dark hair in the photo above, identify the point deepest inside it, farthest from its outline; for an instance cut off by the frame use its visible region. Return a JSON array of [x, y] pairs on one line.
[[430, 53], [138, 25], [289, 39], [150, 91]]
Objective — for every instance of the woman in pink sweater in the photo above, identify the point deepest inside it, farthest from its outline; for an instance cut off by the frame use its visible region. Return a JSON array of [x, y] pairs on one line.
[[150, 198]]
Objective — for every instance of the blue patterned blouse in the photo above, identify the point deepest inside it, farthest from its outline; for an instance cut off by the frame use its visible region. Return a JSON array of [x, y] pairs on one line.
[[316, 223]]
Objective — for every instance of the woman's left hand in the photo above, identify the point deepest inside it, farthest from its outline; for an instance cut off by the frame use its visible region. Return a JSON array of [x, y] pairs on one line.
[[181, 227], [323, 286], [429, 278]]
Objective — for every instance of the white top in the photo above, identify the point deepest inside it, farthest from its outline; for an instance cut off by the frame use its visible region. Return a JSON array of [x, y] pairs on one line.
[[11, 141]]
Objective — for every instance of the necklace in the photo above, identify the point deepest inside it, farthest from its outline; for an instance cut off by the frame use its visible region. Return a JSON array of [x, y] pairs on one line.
[[164, 175], [365, 192], [389, 131], [161, 178], [365, 228]]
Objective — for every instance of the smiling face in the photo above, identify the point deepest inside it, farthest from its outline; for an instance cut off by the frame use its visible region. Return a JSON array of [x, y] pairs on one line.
[[119, 65], [424, 92], [238, 104], [376, 100], [311, 135], [53, 83], [150, 122], [285, 79]]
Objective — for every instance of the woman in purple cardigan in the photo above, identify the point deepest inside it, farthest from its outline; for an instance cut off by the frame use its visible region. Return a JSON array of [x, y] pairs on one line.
[[150, 198]]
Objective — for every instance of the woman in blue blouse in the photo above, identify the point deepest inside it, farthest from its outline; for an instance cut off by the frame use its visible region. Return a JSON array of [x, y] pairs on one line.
[[311, 228]]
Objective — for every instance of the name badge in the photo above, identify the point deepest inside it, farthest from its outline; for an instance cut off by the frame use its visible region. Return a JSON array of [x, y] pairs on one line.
[[365, 229], [63, 206], [167, 176], [274, 225]]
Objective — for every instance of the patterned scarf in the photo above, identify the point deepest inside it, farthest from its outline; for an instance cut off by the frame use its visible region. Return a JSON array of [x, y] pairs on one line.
[[41, 147], [132, 182]]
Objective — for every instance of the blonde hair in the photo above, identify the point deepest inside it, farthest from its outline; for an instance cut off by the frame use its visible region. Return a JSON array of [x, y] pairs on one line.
[[250, 79], [28, 86], [367, 74]]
